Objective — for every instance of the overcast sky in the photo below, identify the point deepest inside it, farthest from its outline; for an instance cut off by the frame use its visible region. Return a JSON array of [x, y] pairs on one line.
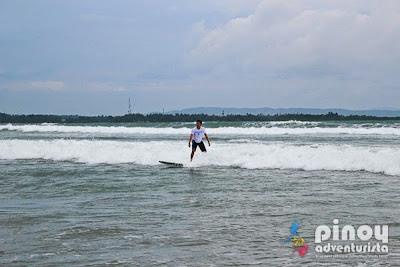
[[88, 57]]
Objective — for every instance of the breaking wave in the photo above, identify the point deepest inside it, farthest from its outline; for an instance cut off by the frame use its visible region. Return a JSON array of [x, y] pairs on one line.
[[216, 131], [281, 156]]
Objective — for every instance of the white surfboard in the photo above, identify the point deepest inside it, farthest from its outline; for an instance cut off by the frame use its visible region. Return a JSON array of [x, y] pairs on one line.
[[171, 164]]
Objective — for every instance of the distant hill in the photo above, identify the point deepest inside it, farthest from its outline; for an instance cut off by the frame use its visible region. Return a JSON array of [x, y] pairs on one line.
[[274, 111]]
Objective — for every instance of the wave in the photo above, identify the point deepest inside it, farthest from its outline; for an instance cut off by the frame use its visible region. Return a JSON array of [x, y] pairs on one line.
[[289, 122], [276, 156], [215, 131]]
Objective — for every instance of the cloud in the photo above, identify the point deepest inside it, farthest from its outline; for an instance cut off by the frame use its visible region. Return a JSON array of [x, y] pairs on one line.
[[47, 85], [104, 87], [283, 37], [121, 89]]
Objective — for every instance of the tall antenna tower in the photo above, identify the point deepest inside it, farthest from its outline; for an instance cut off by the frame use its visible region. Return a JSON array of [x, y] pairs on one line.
[[129, 107]]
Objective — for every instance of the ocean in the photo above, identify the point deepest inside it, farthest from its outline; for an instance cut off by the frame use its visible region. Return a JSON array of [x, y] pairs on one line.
[[96, 194]]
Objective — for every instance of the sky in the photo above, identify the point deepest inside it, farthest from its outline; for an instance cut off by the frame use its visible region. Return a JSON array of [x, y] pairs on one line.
[[88, 57]]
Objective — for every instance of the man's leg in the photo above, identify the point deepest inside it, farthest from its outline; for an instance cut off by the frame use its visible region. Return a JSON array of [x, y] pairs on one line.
[[194, 146], [202, 147], [191, 155]]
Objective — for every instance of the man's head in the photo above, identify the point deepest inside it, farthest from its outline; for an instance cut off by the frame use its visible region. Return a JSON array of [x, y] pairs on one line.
[[199, 123]]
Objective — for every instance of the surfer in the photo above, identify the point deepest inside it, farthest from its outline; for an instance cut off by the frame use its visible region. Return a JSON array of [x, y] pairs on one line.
[[196, 138]]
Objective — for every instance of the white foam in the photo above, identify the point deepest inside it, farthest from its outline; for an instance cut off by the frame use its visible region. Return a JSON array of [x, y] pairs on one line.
[[291, 122], [282, 156], [214, 131]]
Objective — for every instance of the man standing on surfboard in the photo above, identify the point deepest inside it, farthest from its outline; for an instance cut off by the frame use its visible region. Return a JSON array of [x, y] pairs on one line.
[[197, 135]]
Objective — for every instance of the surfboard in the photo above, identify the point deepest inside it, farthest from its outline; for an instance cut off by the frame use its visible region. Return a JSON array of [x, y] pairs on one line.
[[171, 164]]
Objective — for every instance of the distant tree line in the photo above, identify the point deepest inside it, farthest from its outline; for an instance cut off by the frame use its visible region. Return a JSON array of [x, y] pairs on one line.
[[179, 117]]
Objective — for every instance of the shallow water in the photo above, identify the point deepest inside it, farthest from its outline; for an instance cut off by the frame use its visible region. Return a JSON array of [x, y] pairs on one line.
[[94, 195]]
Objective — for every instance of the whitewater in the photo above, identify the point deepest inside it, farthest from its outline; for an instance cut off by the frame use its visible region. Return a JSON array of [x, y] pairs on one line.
[[270, 145], [244, 155], [272, 130]]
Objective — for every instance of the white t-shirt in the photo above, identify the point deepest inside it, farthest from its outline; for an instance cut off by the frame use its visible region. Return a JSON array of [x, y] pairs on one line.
[[198, 134]]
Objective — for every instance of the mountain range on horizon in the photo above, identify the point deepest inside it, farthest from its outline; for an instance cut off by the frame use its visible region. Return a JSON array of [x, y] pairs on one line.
[[274, 111]]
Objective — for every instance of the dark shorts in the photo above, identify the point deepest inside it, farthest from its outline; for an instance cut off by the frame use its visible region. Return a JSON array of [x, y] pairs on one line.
[[201, 145]]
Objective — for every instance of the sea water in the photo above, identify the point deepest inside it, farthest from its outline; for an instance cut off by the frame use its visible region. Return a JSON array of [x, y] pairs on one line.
[[95, 194]]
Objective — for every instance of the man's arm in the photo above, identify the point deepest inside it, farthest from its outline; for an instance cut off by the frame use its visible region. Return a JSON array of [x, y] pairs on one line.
[[208, 140], [190, 139]]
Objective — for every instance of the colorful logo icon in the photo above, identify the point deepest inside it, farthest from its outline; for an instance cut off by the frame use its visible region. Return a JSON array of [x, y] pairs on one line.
[[298, 242]]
